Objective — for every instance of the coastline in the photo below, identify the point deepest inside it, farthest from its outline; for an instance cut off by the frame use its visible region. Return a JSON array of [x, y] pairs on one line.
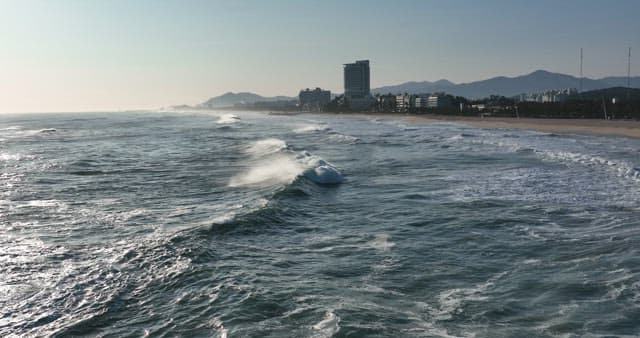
[[621, 128]]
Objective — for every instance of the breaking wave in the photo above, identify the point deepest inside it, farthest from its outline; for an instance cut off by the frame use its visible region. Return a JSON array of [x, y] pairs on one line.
[[228, 119], [616, 167], [619, 168], [267, 146], [274, 164], [310, 128], [328, 326]]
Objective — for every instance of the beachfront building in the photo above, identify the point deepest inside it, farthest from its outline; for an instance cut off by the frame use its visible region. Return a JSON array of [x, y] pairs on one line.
[[403, 103], [357, 86], [554, 95], [439, 101], [385, 103], [313, 100], [421, 101]]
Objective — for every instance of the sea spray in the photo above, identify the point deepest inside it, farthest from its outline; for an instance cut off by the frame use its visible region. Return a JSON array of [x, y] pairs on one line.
[[277, 169], [228, 119], [310, 128], [274, 164], [320, 171], [266, 146]]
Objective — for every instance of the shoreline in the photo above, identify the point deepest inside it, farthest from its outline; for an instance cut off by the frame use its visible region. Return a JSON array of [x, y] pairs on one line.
[[622, 128]]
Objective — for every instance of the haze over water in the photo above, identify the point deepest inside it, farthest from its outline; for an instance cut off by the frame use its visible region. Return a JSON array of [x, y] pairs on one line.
[[210, 224]]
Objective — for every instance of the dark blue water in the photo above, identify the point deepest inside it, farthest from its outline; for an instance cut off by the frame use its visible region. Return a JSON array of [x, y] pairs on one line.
[[200, 225]]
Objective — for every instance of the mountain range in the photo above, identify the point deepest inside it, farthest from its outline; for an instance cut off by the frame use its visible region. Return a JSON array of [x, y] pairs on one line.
[[534, 82], [231, 99], [537, 81]]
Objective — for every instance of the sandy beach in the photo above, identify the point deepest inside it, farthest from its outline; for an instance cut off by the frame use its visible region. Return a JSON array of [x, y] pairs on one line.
[[625, 128]]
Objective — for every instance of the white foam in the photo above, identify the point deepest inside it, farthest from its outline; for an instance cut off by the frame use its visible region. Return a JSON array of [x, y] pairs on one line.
[[133, 213], [44, 204], [454, 138], [267, 146], [451, 301], [310, 128], [532, 261], [319, 171], [550, 152], [275, 164], [381, 242], [341, 138], [228, 119], [225, 218], [12, 128], [328, 326], [280, 169], [620, 168]]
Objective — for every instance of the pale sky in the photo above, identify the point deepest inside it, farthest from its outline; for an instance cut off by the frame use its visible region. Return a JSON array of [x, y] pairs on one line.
[[84, 55]]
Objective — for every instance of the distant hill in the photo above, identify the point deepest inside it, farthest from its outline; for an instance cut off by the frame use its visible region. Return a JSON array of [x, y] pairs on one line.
[[537, 81], [230, 99], [416, 87], [621, 81]]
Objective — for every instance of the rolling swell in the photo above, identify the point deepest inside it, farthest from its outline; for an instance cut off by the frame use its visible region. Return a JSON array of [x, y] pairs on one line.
[[434, 233]]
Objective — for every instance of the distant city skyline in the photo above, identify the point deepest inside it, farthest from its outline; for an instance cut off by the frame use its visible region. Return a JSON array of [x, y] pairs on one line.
[[110, 55]]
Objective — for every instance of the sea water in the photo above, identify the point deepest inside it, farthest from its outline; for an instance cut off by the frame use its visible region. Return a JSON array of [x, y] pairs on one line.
[[251, 225]]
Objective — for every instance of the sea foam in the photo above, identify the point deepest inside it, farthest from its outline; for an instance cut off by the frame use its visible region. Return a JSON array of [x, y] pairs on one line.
[[309, 128], [267, 146], [279, 169], [273, 163], [228, 119], [318, 170], [328, 326]]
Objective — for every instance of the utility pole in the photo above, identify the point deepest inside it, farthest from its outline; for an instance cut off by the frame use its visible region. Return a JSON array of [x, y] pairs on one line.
[[580, 70], [629, 76]]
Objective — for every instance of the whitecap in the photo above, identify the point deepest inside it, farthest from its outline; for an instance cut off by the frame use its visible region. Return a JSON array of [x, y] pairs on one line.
[[450, 301], [12, 128], [219, 326], [133, 213], [274, 170], [224, 219], [310, 128], [341, 138], [328, 326], [274, 165], [44, 204], [532, 261], [381, 242], [228, 119], [320, 171], [458, 137], [266, 146], [619, 168]]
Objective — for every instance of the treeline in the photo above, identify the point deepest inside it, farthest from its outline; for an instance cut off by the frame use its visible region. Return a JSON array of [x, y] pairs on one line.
[[577, 107], [580, 109]]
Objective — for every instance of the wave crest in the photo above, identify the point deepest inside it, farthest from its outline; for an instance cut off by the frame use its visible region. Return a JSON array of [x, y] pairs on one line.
[[267, 146], [310, 128], [275, 164], [228, 119], [320, 171]]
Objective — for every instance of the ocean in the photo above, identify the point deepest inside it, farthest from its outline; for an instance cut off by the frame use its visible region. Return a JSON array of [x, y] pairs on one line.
[[168, 224]]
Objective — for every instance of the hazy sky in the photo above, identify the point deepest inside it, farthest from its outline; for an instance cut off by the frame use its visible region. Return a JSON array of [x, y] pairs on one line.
[[80, 55]]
